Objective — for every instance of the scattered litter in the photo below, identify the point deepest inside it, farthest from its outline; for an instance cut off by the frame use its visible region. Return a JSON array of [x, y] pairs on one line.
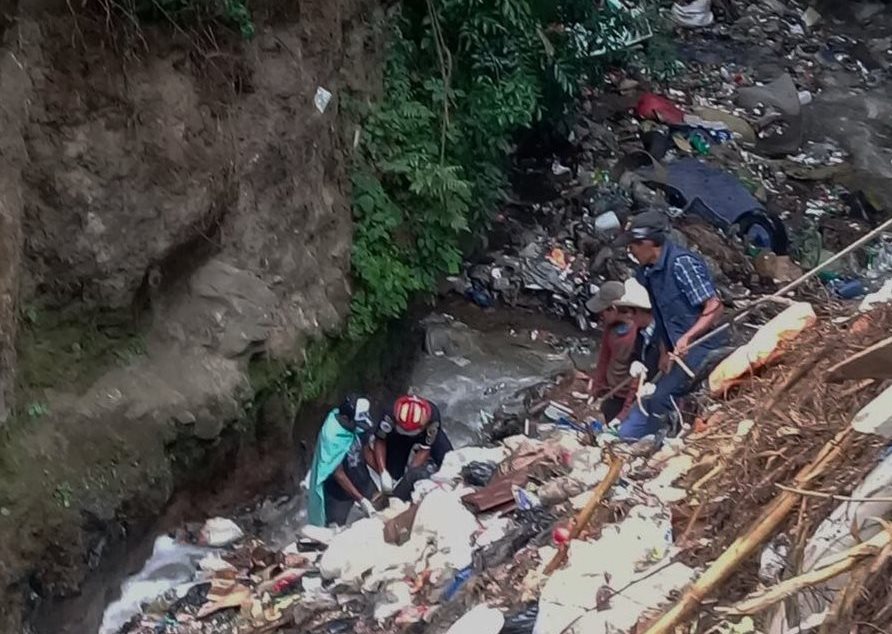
[[480, 620], [219, 531], [693, 15], [321, 99]]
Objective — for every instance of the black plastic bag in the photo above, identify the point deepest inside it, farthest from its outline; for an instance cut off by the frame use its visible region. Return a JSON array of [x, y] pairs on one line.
[[533, 526], [194, 598], [478, 474], [521, 621]]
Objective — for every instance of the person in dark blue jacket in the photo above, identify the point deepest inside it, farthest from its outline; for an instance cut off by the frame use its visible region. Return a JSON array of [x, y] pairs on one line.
[[685, 306]]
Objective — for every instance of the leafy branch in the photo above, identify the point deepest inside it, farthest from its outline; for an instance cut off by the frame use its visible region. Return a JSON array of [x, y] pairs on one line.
[[462, 77]]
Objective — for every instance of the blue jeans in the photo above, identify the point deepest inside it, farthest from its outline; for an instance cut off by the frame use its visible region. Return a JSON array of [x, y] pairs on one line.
[[637, 424]]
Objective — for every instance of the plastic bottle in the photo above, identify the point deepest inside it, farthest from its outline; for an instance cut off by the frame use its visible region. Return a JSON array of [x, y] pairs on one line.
[[809, 244], [699, 143]]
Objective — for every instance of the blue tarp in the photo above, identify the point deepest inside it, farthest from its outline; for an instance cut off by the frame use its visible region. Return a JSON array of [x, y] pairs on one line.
[[708, 191]]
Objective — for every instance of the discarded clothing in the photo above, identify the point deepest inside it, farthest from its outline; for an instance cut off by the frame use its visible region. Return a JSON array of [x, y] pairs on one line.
[[659, 108], [479, 474], [707, 191], [719, 198]]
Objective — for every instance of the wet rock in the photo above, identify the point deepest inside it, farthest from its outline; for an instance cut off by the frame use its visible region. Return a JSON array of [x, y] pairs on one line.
[[228, 309]]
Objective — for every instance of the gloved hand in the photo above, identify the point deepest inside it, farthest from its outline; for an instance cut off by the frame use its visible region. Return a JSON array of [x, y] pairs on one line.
[[647, 389], [367, 507], [637, 369], [386, 483], [614, 423]]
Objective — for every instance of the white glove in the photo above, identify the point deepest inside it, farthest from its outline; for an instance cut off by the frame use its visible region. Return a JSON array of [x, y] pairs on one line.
[[647, 390], [386, 482], [614, 423], [367, 507], [637, 369]]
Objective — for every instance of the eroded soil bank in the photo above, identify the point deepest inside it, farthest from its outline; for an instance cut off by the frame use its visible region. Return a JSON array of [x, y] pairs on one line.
[[174, 209]]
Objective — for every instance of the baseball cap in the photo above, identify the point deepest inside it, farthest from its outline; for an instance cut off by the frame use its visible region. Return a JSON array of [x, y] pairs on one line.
[[643, 226], [362, 414], [605, 297]]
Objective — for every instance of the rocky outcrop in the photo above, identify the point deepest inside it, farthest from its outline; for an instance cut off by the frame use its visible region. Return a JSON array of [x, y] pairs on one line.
[[191, 183]]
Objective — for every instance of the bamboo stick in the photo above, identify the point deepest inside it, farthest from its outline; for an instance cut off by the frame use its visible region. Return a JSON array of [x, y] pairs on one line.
[[844, 562], [585, 515], [759, 532], [792, 285], [831, 496]]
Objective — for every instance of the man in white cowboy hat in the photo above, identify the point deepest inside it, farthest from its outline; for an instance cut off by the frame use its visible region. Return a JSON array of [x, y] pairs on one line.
[[633, 309]]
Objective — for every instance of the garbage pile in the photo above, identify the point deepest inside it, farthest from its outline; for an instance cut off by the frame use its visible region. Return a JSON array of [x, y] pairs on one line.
[[723, 148], [489, 515], [568, 530], [752, 446], [553, 526]]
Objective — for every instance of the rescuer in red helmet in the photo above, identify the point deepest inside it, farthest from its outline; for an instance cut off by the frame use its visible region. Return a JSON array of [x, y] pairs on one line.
[[409, 445]]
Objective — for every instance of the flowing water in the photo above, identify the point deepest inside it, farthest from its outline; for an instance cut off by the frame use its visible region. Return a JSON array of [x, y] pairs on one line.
[[474, 364]]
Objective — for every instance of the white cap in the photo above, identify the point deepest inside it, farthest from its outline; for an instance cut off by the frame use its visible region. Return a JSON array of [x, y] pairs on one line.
[[362, 409], [635, 296]]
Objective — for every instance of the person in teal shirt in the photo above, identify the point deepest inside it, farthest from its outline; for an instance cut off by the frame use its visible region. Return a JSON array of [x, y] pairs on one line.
[[339, 477]]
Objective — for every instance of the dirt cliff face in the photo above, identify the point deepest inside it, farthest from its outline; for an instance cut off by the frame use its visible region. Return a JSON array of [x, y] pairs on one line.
[[172, 203]]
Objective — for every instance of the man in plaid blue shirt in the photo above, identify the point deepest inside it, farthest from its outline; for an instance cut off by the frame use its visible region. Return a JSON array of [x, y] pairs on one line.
[[685, 307]]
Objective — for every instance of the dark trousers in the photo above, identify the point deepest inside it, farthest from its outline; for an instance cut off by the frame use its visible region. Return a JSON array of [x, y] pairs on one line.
[[336, 511], [612, 407], [403, 488], [637, 424]]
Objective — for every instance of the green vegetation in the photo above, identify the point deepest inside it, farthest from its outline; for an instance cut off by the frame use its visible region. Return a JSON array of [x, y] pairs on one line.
[[189, 17], [233, 14], [63, 494], [462, 78], [69, 350], [323, 362], [334, 365]]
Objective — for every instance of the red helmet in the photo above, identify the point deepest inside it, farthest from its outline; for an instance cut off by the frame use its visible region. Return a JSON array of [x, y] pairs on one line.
[[412, 414]]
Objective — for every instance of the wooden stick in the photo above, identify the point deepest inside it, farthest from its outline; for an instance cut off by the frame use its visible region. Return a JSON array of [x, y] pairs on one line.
[[613, 391], [796, 375], [829, 568], [691, 521], [585, 515], [792, 285], [871, 363], [684, 366], [716, 470], [745, 545], [844, 602], [830, 496], [842, 563]]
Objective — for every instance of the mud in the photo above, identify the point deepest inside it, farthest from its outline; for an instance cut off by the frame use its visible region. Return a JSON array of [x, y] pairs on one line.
[[187, 186]]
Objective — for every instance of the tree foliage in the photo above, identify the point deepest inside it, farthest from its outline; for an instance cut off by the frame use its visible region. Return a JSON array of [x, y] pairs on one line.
[[461, 78]]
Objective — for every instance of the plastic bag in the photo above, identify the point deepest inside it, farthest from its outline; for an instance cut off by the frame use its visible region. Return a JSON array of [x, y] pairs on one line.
[[533, 527], [478, 474], [337, 626], [522, 620]]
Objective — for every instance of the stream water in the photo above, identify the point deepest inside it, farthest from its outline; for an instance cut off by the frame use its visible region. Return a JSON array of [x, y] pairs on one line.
[[480, 361]]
